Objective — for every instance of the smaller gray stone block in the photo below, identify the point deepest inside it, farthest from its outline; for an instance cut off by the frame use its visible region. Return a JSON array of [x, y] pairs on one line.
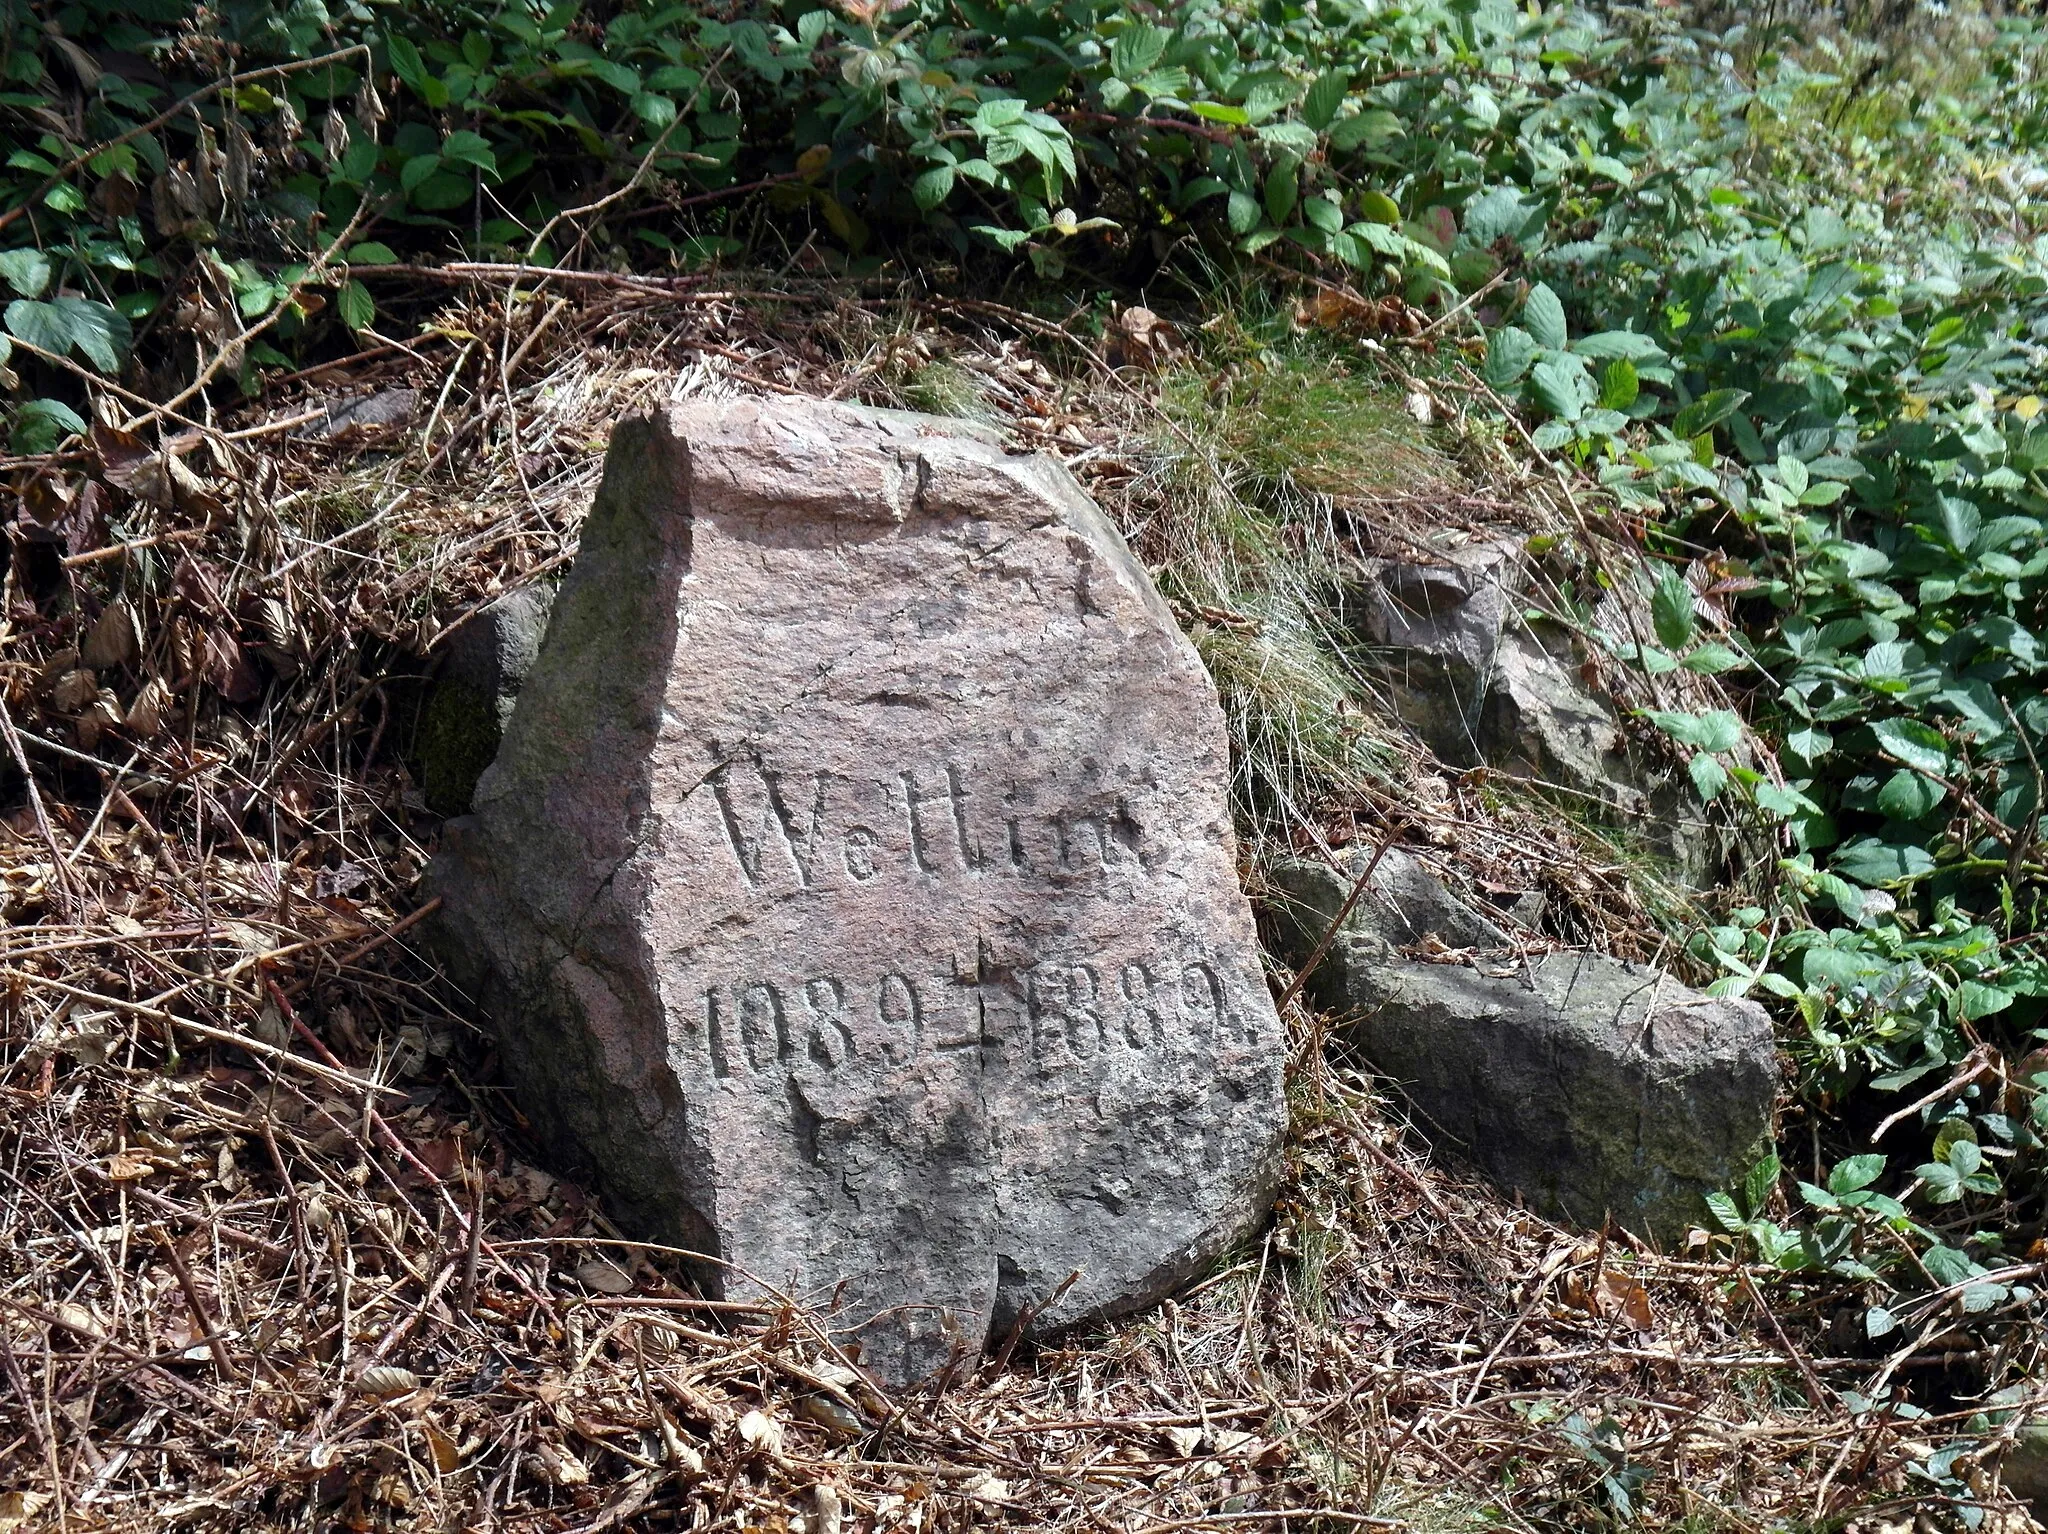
[[1439, 629], [1479, 685], [484, 664], [494, 651], [2024, 1467], [1591, 1087]]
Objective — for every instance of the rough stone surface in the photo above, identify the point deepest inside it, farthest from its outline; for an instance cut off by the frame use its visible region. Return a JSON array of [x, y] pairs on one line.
[[483, 666], [1589, 1086], [2024, 1466], [855, 883], [1438, 628], [494, 651], [1479, 684]]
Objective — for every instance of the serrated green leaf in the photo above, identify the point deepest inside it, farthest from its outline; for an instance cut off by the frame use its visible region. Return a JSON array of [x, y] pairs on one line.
[[1619, 344], [1975, 999], [1711, 659], [27, 271], [40, 325], [407, 64], [1716, 731], [1138, 48], [1946, 1265], [1708, 411], [1560, 385], [357, 308], [1911, 742], [1619, 385], [415, 171], [1757, 1186], [100, 333], [933, 187], [1325, 96], [1543, 318], [1282, 189], [466, 148], [1003, 239], [1370, 128], [1708, 776], [1873, 862], [1671, 610], [1907, 796], [41, 424], [1509, 353], [1323, 214], [1854, 1173]]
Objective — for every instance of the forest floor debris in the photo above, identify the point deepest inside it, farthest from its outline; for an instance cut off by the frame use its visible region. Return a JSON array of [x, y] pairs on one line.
[[274, 1252]]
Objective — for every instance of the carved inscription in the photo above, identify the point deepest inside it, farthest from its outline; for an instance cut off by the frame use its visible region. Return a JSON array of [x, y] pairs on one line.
[[788, 832], [1065, 1013]]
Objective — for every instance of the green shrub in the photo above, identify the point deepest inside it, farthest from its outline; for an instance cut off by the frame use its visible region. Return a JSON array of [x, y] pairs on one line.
[[249, 167], [1830, 391]]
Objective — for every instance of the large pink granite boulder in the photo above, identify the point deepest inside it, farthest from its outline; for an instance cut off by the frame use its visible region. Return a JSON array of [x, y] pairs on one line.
[[855, 885]]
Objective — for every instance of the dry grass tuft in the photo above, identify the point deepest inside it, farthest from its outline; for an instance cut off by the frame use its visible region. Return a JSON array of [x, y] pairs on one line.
[[274, 1253]]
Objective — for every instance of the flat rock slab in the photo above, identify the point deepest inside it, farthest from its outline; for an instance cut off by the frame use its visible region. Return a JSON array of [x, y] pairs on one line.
[[1591, 1087], [855, 884]]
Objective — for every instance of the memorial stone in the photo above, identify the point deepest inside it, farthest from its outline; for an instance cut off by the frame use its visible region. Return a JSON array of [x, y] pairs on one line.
[[855, 887]]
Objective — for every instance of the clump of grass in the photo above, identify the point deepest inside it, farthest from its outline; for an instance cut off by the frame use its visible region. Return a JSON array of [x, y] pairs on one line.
[[1302, 419], [1250, 470], [946, 388]]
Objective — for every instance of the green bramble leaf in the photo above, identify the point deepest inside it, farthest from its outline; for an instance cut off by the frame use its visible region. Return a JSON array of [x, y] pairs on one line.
[[1708, 776], [1509, 353], [41, 424], [27, 271], [1619, 385], [1282, 189], [1913, 743], [1138, 49], [1854, 1173], [933, 187], [1708, 411], [355, 305], [1543, 318], [1325, 96], [100, 333], [1757, 1186], [1671, 610], [1726, 1214], [1368, 129], [1712, 658]]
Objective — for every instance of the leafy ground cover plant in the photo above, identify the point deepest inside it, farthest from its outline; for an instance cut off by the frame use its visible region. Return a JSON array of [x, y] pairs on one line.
[[223, 188], [1830, 393]]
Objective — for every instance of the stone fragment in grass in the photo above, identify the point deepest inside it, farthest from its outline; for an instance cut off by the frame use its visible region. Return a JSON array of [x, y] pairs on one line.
[[855, 886], [1479, 682]]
